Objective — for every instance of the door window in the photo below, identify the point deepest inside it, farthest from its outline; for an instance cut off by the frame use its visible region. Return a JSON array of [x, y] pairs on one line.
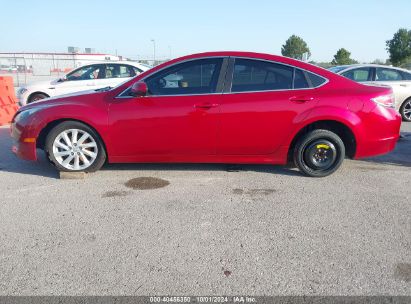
[[119, 71], [300, 81], [384, 74], [86, 73], [359, 75], [193, 77], [406, 75], [256, 75]]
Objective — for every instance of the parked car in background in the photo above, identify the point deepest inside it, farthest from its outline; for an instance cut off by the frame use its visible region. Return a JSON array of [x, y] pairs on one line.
[[87, 77], [219, 107], [406, 66], [398, 79]]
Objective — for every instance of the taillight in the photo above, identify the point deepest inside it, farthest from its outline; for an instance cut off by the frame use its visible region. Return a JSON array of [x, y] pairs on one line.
[[387, 101]]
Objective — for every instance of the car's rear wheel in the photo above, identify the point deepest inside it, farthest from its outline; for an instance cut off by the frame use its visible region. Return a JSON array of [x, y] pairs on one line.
[[319, 153], [75, 147], [36, 97], [405, 110]]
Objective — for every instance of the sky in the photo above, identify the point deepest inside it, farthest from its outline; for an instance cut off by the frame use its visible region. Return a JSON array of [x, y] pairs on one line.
[[183, 27]]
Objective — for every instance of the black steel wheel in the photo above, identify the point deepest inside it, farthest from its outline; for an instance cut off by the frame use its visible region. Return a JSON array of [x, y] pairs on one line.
[[319, 153]]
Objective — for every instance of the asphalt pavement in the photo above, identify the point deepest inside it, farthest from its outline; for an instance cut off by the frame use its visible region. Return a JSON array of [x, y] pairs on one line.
[[195, 229]]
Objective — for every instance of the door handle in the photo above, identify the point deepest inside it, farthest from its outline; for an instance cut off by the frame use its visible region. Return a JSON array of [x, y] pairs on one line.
[[206, 105], [301, 99], [403, 85], [91, 84]]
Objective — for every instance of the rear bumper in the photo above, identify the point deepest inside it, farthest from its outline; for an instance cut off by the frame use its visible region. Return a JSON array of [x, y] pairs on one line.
[[376, 147], [380, 133]]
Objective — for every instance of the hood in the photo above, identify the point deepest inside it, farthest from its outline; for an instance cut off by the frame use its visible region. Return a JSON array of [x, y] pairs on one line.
[[43, 83], [59, 100]]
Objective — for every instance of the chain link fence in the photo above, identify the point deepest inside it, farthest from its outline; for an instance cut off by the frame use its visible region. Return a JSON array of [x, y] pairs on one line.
[[26, 68]]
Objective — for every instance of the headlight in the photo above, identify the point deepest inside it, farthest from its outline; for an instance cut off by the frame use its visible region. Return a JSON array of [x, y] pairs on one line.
[[25, 114], [22, 91]]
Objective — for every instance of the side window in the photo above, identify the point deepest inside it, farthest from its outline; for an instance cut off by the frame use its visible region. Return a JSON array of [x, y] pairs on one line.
[[359, 75], [315, 80], [193, 77], [406, 75], [86, 73], [383, 74], [136, 71], [256, 75], [118, 71], [300, 82]]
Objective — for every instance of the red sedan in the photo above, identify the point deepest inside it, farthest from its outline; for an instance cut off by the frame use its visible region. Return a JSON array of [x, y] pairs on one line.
[[220, 107]]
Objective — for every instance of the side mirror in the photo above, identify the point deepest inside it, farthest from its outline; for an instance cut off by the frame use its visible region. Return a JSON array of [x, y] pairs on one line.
[[139, 89]]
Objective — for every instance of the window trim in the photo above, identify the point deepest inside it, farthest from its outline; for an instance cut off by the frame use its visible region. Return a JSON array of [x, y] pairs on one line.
[[225, 78], [231, 70]]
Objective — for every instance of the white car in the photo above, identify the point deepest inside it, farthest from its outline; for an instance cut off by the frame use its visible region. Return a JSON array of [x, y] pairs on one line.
[[398, 79], [87, 77]]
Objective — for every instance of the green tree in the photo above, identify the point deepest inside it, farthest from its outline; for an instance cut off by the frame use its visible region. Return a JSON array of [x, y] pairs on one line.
[[343, 57], [399, 47], [295, 47]]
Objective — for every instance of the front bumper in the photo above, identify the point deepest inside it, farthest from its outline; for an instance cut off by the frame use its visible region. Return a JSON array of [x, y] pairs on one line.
[[23, 145], [22, 98]]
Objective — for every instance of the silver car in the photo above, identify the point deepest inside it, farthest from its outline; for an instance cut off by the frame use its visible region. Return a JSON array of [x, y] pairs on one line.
[[398, 79]]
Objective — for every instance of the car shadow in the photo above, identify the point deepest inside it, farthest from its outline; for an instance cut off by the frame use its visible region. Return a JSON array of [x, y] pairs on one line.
[[401, 156], [232, 168]]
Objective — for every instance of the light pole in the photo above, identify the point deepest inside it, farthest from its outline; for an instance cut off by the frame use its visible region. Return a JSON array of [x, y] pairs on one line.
[[154, 51]]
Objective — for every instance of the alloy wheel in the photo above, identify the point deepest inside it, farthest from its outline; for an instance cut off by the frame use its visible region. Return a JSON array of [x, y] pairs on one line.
[[75, 149]]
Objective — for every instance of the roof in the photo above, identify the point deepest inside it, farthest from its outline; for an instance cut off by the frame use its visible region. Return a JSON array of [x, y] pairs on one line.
[[371, 65]]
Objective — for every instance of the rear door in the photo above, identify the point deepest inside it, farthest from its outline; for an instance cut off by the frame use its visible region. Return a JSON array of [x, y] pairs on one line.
[[260, 103]]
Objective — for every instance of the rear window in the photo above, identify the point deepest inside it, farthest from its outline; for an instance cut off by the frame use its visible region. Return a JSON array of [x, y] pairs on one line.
[[384, 74]]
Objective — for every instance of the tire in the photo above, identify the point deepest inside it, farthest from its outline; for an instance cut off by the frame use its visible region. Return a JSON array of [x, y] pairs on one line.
[[65, 151], [406, 106], [36, 97], [319, 153]]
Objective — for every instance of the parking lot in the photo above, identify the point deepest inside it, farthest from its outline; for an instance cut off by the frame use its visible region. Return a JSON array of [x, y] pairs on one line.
[[184, 229]]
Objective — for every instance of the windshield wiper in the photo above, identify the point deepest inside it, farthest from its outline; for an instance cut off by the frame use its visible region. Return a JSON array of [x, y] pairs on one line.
[[105, 89]]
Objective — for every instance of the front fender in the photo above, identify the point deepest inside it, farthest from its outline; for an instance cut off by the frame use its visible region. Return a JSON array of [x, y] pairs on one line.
[[79, 112]]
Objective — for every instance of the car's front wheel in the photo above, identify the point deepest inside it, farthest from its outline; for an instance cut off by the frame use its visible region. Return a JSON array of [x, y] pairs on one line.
[[319, 153], [74, 146], [36, 97], [405, 110]]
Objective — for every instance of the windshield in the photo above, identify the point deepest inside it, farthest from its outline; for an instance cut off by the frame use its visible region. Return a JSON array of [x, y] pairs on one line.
[[337, 69], [85, 73]]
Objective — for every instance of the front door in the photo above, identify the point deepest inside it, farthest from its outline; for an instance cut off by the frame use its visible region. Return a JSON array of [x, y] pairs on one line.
[[178, 119], [82, 79]]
